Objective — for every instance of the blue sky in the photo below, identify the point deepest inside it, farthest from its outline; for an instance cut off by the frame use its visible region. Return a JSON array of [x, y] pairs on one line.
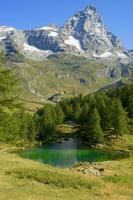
[[27, 14]]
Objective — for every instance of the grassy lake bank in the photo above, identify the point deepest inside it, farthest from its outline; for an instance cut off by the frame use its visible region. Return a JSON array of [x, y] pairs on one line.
[[23, 179]]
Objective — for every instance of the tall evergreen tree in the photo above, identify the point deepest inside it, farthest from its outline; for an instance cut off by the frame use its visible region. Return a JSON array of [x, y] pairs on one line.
[[84, 113], [8, 88], [8, 99], [103, 106], [59, 114], [94, 133], [119, 118], [46, 120], [130, 106], [77, 113], [69, 112]]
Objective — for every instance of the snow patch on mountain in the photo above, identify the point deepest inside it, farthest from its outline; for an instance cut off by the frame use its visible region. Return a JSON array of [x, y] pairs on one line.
[[73, 42], [83, 34], [28, 47], [34, 53], [31, 50], [6, 29], [121, 55], [53, 34], [106, 54], [2, 38], [46, 28], [103, 55]]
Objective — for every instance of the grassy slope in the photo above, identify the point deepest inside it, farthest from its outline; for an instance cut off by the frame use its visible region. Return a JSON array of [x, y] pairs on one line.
[[66, 75], [22, 179], [61, 75]]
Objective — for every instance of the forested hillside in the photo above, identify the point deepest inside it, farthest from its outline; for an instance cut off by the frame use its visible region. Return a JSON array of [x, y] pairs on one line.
[[101, 115]]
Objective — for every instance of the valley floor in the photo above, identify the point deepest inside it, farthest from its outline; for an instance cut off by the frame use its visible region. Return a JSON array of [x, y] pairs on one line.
[[22, 179]]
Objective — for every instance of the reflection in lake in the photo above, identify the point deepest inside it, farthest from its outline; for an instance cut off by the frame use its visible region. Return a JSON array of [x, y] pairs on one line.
[[68, 152]]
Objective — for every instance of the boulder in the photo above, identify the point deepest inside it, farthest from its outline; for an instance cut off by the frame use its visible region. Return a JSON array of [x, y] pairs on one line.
[[91, 171]]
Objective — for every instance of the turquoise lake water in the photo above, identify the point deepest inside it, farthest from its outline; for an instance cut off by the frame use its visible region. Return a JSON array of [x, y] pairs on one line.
[[68, 153]]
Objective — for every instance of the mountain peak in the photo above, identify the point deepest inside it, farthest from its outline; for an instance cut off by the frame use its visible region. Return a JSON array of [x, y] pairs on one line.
[[84, 21], [90, 8], [87, 26], [84, 33]]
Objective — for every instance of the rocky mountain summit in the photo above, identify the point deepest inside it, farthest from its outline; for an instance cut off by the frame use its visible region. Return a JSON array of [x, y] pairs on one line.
[[87, 27], [83, 34], [81, 56]]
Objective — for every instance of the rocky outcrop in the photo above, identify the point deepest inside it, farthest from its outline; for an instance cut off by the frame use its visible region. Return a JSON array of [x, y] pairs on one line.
[[88, 27]]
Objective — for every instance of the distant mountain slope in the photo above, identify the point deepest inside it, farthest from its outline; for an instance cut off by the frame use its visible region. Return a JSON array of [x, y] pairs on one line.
[[64, 75], [80, 56]]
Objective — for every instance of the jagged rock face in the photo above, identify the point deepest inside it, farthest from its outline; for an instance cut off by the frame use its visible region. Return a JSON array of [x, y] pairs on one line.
[[84, 34], [88, 28], [52, 39], [115, 41], [44, 39], [129, 53], [11, 40]]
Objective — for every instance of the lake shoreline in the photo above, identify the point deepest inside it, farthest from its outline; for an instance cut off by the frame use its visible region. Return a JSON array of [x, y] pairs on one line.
[[70, 151], [38, 180], [101, 147]]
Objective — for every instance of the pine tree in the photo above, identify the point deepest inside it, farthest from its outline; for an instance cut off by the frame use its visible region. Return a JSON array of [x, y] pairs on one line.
[[77, 113], [130, 106], [119, 118], [8, 88], [31, 132], [46, 120], [94, 131], [59, 114], [8, 99], [84, 113], [104, 109], [69, 112]]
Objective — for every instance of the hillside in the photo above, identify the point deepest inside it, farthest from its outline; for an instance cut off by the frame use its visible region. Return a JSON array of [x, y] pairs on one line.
[[64, 76], [25, 179]]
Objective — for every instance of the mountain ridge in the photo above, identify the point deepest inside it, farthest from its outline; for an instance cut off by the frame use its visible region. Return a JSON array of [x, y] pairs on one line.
[[79, 57], [83, 34]]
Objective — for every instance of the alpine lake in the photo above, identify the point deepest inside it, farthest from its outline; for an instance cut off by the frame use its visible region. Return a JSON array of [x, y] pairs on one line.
[[68, 153]]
